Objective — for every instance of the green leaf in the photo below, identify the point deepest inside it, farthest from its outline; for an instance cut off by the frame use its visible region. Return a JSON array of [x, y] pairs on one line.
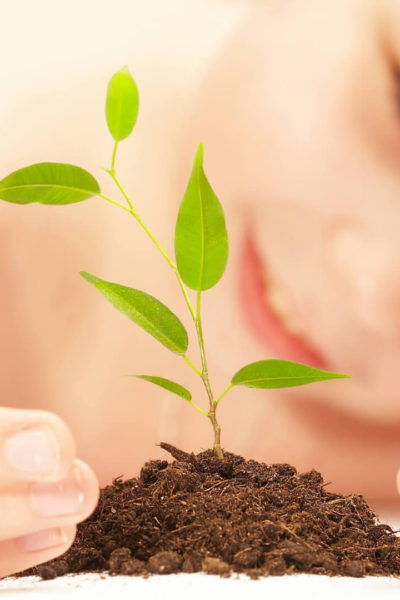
[[144, 310], [201, 240], [279, 374], [48, 183], [167, 384], [122, 104]]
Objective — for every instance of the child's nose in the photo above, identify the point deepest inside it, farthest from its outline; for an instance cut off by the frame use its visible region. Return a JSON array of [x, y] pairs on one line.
[[367, 265]]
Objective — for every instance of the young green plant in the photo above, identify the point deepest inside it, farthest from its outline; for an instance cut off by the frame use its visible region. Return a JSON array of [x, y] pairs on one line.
[[201, 253]]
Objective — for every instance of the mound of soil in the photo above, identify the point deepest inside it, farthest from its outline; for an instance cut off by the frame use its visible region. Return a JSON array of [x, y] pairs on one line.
[[200, 513]]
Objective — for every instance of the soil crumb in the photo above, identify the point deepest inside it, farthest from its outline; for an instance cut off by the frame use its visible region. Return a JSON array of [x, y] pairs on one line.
[[200, 513]]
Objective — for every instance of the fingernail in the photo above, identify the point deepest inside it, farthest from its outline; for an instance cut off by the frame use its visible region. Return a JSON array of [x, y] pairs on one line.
[[58, 499], [33, 450], [41, 540]]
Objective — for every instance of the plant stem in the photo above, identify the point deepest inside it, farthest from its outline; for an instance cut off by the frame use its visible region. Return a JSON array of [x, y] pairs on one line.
[[135, 214], [195, 316], [191, 365], [203, 412], [223, 393], [123, 192], [113, 202], [113, 156], [206, 381]]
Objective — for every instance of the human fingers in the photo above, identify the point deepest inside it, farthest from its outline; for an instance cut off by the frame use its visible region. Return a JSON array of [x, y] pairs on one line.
[[35, 445], [35, 506], [44, 489], [23, 552]]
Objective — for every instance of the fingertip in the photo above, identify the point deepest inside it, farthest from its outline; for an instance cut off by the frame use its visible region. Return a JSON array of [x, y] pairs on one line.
[[89, 485], [65, 445], [24, 552], [55, 540]]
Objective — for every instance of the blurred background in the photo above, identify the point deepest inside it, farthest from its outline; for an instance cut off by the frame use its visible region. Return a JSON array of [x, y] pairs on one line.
[[297, 104]]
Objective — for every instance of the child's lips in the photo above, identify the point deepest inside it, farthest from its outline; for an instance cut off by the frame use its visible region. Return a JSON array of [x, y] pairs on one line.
[[267, 322]]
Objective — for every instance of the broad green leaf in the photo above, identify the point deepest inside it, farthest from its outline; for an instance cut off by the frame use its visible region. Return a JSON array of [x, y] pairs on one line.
[[122, 104], [167, 384], [201, 240], [144, 310], [279, 374], [48, 183]]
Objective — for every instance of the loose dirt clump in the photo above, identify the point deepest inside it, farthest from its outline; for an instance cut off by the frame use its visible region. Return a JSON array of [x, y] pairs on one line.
[[200, 513]]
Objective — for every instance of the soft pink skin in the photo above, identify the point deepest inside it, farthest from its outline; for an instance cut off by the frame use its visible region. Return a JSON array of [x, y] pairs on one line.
[[40, 507], [301, 142]]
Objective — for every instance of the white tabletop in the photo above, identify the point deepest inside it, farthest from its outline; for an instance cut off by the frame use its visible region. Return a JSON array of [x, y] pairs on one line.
[[201, 586]]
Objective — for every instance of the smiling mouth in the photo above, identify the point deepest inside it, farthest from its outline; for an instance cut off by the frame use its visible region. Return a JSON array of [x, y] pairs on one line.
[[268, 313]]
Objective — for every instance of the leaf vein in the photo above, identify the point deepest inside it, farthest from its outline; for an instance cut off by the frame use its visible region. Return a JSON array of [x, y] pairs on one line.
[[150, 324], [47, 185]]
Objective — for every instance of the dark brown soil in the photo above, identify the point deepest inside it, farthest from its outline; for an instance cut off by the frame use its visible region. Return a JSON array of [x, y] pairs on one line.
[[199, 513]]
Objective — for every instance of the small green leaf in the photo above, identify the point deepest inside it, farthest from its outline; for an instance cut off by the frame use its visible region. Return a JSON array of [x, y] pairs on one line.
[[279, 374], [144, 310], [48, 183], [122, 104], [201, 240], [167, 384]]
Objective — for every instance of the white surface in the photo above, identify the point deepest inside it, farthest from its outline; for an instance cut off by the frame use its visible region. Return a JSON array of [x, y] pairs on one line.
[[199, 586]]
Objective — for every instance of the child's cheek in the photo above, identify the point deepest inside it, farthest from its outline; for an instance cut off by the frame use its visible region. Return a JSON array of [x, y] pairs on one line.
[[366, 266]]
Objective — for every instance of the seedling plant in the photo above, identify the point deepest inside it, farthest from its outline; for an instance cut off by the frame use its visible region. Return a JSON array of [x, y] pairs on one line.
[[201, 253]]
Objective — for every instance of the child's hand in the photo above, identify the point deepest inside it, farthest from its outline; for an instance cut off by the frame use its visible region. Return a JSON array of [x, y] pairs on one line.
[[44, 489]]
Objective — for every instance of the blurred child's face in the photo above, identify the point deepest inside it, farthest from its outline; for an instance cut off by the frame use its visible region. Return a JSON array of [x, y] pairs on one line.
[[302, 136]]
